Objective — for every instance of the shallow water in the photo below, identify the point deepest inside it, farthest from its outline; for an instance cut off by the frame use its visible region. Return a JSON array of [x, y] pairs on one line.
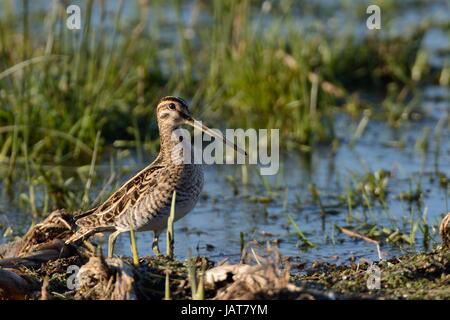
[[213, 228]]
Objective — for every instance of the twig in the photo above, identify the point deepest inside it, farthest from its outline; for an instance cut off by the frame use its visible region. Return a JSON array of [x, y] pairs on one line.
[[354, 234]]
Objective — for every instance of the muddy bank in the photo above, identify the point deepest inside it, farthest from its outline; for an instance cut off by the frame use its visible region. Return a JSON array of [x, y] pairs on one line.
[[415, 276], [418, 276], [41, 266]]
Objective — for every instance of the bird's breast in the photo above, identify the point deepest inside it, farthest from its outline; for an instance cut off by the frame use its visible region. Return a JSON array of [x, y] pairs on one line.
[[189, 187]]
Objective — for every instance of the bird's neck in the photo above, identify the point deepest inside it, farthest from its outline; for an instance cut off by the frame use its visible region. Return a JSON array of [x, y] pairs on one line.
[[167, 142]]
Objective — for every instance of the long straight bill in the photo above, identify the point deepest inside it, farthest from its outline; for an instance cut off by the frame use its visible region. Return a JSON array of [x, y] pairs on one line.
[[200, 126]]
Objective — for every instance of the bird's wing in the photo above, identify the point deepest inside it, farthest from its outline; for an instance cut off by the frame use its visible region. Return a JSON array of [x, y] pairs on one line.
[[123, 199]]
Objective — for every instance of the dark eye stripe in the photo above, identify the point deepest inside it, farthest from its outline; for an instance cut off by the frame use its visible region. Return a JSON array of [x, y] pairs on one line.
[[164, 115]]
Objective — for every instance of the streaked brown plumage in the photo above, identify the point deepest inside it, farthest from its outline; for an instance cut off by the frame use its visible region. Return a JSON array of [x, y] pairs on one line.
[[143, 202]]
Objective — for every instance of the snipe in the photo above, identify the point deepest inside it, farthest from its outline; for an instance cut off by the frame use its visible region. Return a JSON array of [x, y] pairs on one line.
[[143, 202]]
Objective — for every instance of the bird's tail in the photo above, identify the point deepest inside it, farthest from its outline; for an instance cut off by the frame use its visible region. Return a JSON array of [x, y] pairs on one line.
[[80, 235], [84, 214], [82, 232]]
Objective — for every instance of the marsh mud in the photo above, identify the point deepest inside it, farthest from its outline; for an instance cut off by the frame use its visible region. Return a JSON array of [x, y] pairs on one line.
[[415, 276]]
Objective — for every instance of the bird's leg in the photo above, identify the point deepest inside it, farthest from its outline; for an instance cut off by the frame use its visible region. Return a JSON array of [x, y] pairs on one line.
[[111, 242], [155, 246]]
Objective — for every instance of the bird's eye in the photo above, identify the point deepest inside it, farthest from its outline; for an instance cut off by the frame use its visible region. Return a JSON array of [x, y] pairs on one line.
[[172, 106]]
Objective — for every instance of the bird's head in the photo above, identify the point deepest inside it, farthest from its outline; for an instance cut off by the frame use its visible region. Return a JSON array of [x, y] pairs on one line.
[[174, 111]]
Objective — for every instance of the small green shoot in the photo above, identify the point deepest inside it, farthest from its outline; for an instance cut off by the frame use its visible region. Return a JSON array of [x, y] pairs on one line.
[[170, 233]]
